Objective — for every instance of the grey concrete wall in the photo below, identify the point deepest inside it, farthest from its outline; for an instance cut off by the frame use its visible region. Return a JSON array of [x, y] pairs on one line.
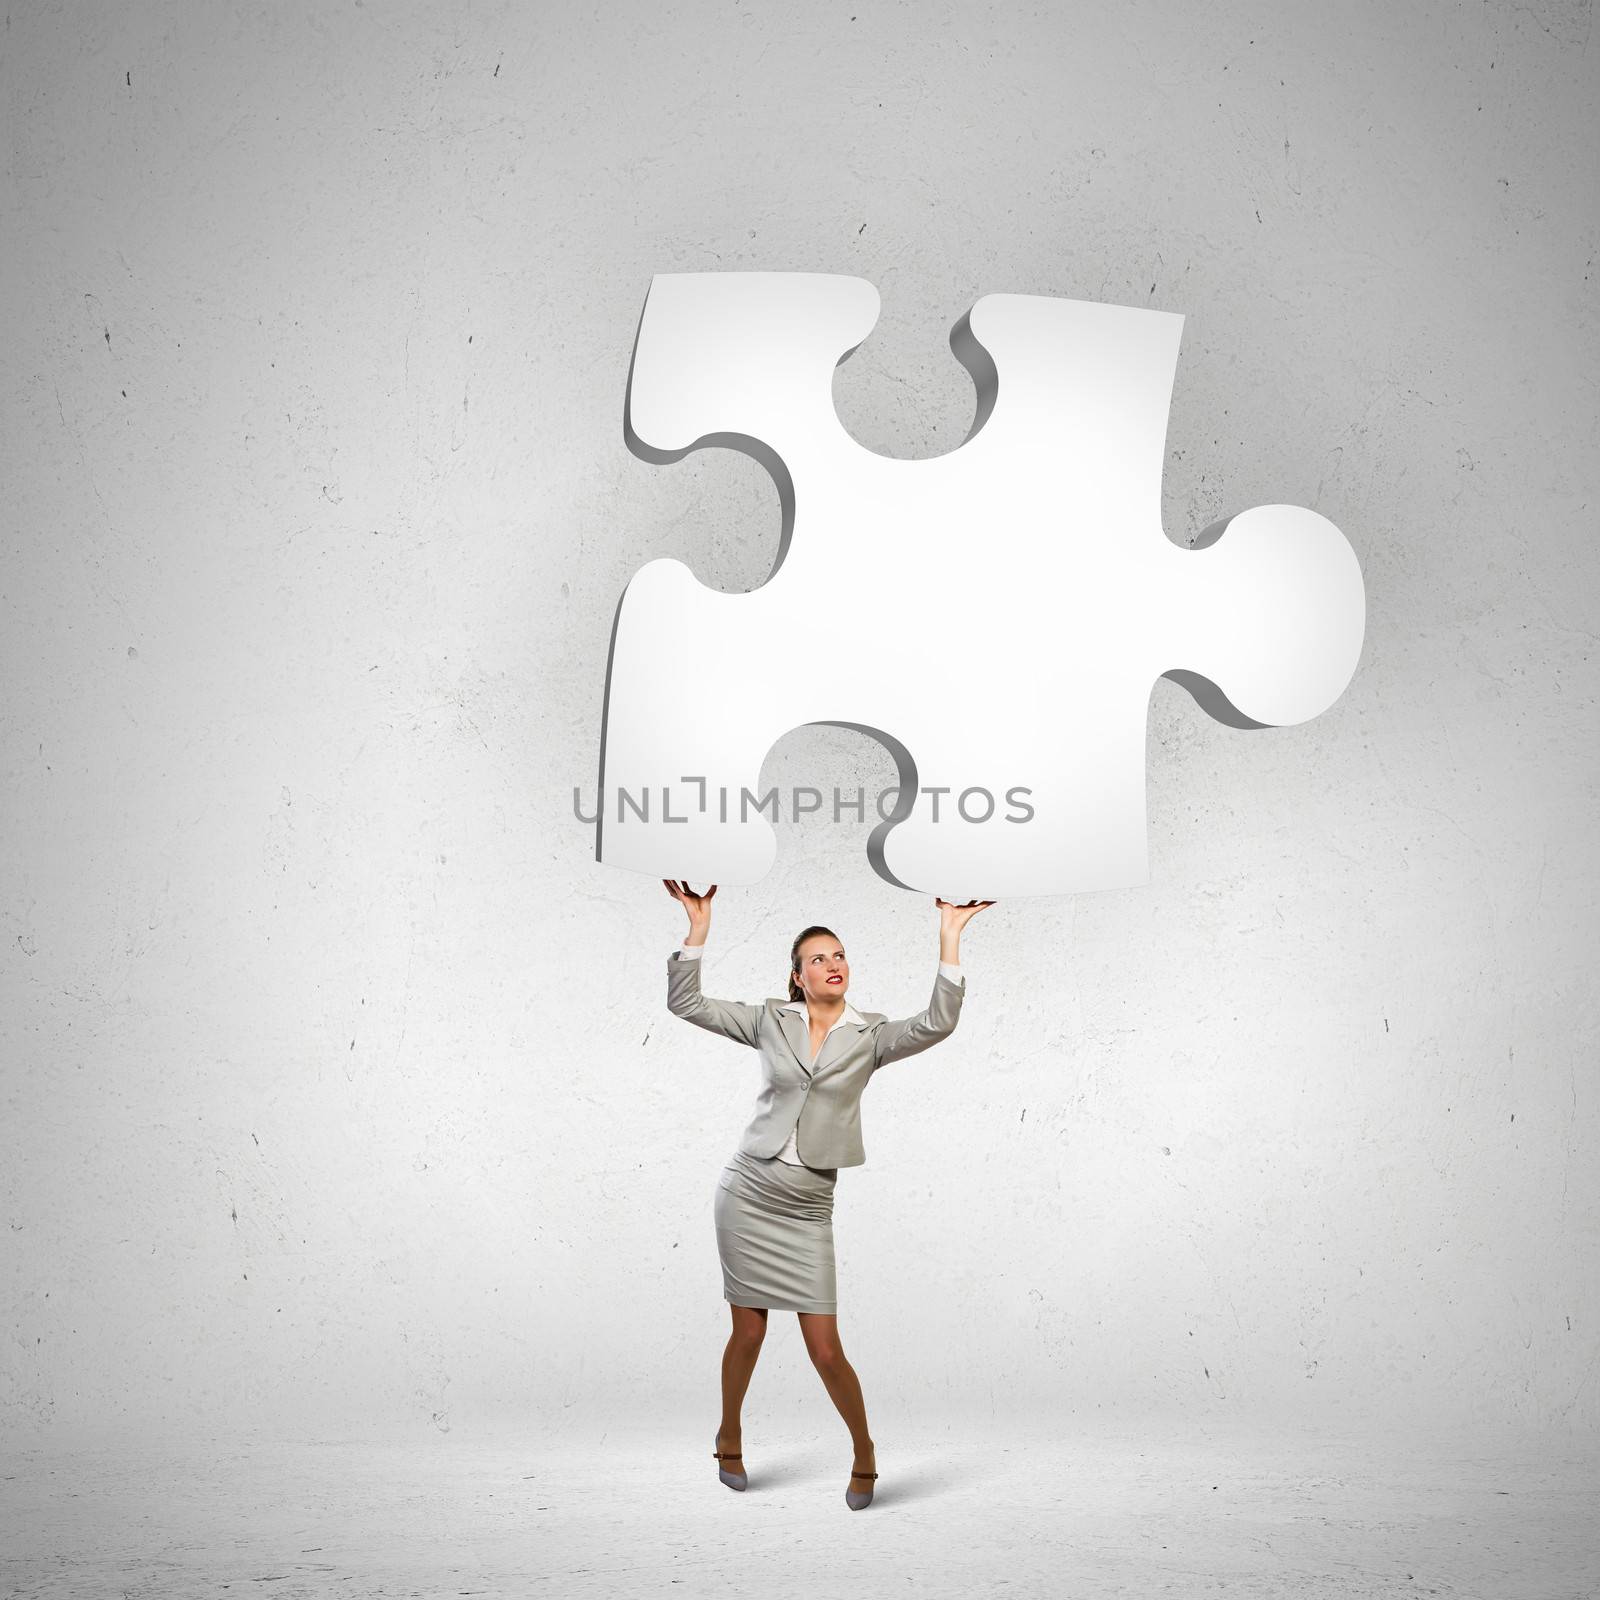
[[338, 1086]]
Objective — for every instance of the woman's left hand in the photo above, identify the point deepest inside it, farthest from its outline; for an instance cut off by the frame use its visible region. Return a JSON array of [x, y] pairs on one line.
[[953, 918]]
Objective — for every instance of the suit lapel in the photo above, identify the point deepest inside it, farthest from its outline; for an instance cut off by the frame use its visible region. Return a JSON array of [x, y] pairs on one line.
[[796, 1031], [837, 1042], [797, 1034], [845, 1034]]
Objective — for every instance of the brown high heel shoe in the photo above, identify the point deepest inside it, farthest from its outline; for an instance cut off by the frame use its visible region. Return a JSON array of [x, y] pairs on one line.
[[734, 1480]]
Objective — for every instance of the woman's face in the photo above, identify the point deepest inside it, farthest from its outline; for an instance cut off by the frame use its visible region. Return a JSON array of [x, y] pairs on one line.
[[824, 973]]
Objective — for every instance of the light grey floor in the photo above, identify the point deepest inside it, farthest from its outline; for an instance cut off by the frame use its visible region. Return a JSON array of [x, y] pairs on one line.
[[1045, 1507]]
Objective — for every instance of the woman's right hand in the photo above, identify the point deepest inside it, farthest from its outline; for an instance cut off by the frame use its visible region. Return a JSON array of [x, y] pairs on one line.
[[697, 905]]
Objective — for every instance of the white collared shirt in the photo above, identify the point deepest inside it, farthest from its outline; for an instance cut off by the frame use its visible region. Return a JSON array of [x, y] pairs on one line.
[[789, 1152]]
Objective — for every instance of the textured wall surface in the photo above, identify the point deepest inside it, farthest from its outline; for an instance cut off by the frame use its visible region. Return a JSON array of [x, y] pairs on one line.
[[337, 1080]]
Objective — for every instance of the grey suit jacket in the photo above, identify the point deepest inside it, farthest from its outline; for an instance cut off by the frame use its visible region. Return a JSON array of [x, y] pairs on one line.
[[825, 1099]]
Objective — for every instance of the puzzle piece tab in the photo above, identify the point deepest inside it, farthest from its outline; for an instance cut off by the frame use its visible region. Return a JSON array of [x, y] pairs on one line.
[[995, 616]]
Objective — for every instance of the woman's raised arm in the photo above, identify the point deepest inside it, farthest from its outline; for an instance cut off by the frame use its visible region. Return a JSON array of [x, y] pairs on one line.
[[697, 905], [952, 919], [897, 1040], [733, 1019]]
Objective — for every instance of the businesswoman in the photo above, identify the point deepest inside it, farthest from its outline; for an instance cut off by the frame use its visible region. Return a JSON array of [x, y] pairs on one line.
[[774, 1202]]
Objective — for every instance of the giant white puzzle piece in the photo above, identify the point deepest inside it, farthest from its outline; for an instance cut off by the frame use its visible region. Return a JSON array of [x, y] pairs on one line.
[[995, 616]]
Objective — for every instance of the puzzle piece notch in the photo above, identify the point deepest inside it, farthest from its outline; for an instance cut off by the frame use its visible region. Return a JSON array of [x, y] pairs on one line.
[[742, 355]]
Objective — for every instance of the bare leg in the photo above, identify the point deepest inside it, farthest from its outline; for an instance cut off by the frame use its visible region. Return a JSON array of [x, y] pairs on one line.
[[821, 1334], [738, 1362]]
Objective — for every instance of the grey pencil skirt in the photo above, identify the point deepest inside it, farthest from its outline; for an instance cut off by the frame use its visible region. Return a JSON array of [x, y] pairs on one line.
[[775, 1234]]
